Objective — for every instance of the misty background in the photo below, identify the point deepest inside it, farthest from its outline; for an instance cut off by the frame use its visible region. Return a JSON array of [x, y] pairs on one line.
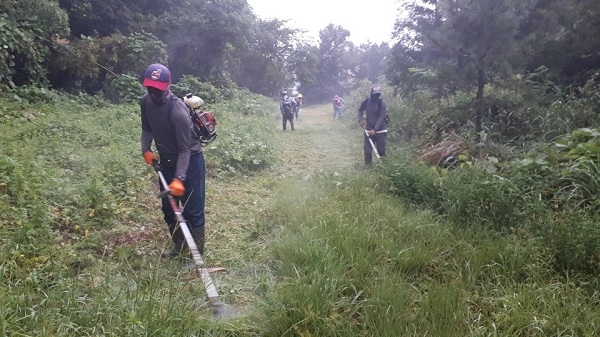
[[101, 47]]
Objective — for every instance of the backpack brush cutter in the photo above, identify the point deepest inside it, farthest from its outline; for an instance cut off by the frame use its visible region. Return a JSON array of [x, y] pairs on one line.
[[211, 290]]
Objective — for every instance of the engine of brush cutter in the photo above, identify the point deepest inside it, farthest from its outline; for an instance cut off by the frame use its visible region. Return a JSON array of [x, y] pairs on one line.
[[205, 123]]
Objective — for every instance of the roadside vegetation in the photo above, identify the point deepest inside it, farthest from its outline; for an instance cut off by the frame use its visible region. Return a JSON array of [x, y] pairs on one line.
[[313, 243], [482, 219]]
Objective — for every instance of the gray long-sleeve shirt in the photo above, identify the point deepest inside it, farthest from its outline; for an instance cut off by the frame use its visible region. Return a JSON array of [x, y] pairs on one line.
[[171, 132], [375, 111]]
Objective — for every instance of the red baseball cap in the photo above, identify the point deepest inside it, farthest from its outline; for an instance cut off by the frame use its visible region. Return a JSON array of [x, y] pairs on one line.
[[157, 76]]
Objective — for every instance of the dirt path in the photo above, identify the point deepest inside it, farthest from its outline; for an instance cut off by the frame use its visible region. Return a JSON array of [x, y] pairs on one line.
[[319, 143], [237, 238]]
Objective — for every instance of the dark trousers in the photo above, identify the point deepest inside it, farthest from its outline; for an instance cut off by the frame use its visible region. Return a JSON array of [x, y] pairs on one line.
[[193, 200], [379, 139], [289, 116]]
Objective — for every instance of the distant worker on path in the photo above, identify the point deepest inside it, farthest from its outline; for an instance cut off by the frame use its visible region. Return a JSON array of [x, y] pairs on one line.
[[375, 123], [287, 107], [338, 103], [299, 101]]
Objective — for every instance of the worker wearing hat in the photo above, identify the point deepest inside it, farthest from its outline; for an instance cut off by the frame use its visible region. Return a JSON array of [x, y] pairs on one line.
[[372, 116], [166, 121]]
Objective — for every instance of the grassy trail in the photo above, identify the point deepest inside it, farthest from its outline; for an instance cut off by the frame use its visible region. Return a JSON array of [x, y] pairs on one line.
[[238, 207]]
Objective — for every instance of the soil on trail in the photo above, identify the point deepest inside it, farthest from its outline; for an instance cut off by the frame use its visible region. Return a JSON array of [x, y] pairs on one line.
[[236, 207]]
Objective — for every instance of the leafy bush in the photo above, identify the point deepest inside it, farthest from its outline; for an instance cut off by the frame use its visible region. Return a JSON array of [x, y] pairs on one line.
[[25, 28], [242, 146], [473, 197], [415, 182], [566, 172], [573, 238], [519, 109], [413, 118], [245, 103], [34, 95], [189, 84], [123, 89]]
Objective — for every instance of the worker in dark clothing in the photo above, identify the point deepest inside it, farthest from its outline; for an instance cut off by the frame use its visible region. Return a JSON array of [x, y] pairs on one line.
[[166, 121], [287, 105], [372, 116]]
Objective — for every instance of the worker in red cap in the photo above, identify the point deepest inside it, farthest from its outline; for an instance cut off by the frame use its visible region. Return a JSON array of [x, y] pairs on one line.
[[166, 121]]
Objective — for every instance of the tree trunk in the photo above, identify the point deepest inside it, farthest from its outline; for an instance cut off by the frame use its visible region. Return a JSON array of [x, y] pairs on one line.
[[479, 104]]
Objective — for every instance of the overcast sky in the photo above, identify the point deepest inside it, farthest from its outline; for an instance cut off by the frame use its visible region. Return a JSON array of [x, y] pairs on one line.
[[366, 20]]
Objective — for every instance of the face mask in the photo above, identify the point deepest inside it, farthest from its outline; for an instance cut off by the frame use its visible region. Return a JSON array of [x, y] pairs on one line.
[[375, 96], [157, 96]]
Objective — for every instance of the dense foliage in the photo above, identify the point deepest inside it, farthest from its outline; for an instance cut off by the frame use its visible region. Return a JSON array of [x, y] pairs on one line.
[[496, 67], [82, 46]]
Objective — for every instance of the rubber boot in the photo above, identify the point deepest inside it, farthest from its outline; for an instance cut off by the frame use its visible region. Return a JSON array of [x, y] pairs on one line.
[[178, 241], [198, 235]]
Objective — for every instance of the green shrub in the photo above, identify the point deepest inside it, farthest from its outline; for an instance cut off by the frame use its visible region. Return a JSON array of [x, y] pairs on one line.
[[414, 182], [189, 84], [123, 89], [242, 145], [244, 103], [34, 95], [566, 172], [413, 118], [472, 197], [573, 238]]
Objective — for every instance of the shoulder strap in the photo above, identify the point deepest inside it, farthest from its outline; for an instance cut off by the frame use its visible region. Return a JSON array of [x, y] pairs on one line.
[[143, 102], [169, 109]]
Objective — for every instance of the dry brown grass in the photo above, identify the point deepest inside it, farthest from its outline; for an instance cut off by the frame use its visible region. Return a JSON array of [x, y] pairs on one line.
[[453, 146]]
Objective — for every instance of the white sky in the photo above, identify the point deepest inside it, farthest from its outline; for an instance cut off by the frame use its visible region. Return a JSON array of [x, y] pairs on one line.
[[371, 20]]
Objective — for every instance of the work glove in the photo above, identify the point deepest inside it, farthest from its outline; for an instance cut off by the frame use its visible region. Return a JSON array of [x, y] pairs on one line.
[[362, 123], [149, 157], [176, 187]]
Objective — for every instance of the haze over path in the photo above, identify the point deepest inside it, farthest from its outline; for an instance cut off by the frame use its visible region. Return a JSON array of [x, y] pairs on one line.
[[237, 206]]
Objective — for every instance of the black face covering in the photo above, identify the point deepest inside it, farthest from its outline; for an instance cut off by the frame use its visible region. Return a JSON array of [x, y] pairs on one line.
[[157, 96], [375, 97]]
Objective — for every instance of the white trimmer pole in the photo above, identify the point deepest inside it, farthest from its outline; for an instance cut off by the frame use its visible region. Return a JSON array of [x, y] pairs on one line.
[[209, 285], [372, 144]]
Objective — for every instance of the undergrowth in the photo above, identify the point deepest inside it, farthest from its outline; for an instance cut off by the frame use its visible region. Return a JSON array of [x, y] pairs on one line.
[[79, 223], [377, 268]]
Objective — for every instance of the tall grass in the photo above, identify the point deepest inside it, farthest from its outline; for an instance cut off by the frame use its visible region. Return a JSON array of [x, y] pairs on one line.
[[355, 262], [78, 249], [80, 223]]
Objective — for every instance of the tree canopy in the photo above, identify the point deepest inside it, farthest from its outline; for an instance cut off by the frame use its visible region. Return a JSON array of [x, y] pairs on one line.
[[439, 45]]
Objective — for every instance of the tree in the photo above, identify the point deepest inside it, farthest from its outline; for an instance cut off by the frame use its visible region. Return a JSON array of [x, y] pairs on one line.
[[207, 38], [305, 62], [99, 18], [466, 42], [372, 60], [562, 36], [268, 62], [332, 72], [30, 33]]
